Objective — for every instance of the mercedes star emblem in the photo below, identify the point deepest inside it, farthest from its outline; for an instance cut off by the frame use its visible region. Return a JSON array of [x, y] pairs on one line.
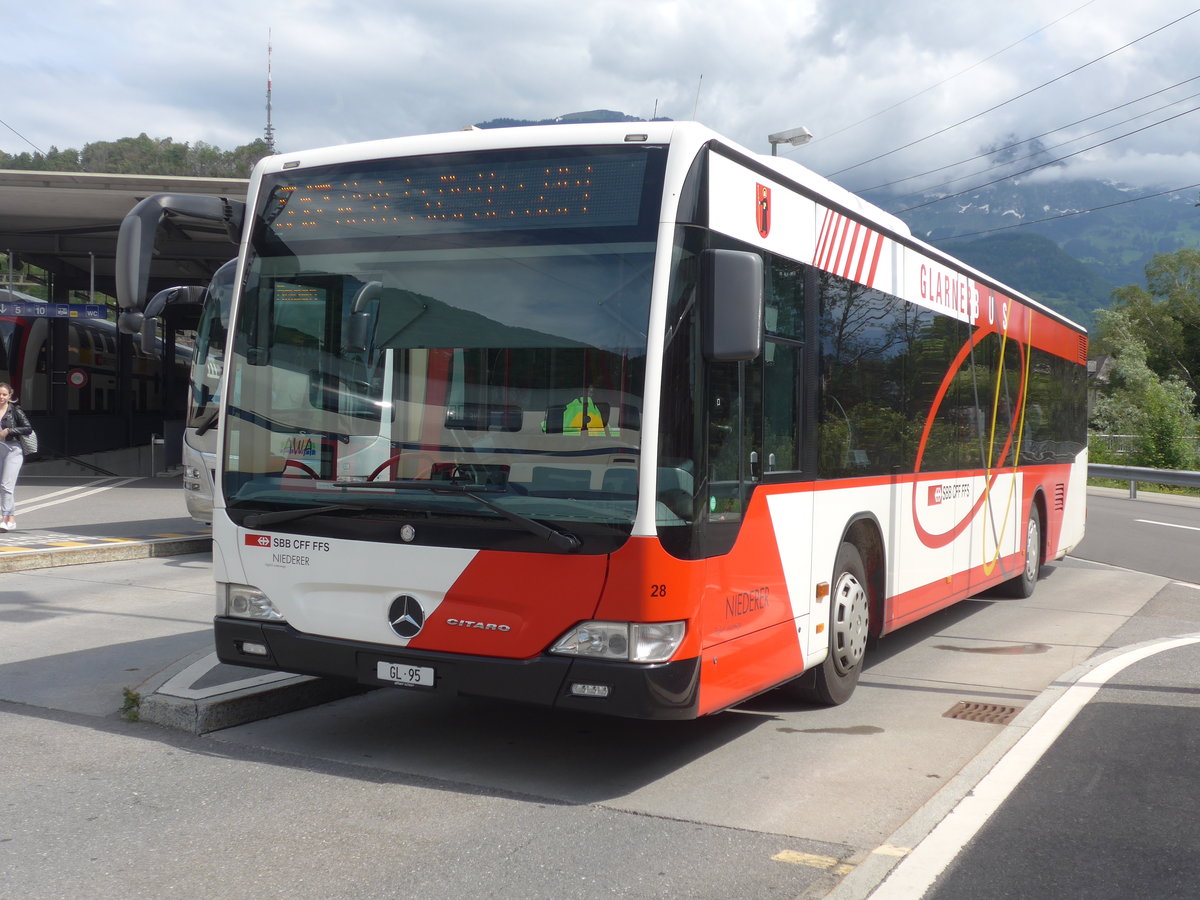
[[406, 616]]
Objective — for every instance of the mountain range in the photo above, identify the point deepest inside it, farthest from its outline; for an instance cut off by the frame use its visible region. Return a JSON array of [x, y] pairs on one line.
[[1067, 243]]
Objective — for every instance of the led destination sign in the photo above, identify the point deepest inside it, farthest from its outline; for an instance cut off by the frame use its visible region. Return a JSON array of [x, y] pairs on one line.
[[597, 188]]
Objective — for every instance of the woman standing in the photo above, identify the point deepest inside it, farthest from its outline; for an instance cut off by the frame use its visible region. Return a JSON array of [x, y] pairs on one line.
[[13, 423]]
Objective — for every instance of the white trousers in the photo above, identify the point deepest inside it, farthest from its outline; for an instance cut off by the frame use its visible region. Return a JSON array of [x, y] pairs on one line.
[[11, 459]]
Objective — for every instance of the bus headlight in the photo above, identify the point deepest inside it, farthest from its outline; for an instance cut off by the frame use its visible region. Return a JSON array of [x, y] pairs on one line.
[[245, 602], [642, 642]]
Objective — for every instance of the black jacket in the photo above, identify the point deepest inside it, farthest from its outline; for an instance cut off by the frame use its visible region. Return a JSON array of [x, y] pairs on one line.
[[16, 423]]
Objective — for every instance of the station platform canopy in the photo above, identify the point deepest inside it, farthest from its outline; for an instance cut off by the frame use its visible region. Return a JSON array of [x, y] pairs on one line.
[[67, 223]]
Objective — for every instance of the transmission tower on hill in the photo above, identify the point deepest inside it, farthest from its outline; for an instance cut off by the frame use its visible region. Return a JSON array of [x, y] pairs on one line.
[[269, 131]]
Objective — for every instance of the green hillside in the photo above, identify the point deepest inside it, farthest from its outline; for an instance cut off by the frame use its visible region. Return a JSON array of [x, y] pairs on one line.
[[1037, 267]]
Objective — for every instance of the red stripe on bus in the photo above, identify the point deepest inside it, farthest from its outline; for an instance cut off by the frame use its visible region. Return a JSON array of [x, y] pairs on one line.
[[875, 260], [854, 251]]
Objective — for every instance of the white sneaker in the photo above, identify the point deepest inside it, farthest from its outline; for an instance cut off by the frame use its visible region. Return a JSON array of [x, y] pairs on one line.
[[8, 526]]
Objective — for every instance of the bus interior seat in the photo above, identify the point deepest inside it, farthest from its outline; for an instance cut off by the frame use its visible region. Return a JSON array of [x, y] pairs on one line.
[[553, 478], [676, 490], [674, 478], [621, 480]]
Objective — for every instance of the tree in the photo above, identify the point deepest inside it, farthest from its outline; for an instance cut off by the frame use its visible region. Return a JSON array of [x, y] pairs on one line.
[[144, 155], [1137, 401], [1164, 316]]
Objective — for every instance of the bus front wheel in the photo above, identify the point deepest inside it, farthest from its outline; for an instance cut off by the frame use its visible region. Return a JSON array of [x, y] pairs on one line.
[[834, 680]]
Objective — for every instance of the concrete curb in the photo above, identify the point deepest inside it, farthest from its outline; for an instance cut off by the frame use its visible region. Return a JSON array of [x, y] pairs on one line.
[[871, 872], [112, 550], [200, 694]]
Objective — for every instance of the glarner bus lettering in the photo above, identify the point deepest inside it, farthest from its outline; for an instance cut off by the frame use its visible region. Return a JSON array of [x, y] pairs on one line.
[[544, 415]]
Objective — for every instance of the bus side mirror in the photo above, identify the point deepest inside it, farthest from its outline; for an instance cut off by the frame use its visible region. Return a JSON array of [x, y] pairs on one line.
[[149, 335], [358, 326], [130, 322], [731, 304], [324, 388], [135, 240]]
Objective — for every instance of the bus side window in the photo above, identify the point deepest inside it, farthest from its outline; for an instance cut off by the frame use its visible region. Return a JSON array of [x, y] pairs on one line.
[[676, 489]]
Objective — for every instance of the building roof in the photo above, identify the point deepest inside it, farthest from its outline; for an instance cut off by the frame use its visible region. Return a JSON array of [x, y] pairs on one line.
[[67, 223]]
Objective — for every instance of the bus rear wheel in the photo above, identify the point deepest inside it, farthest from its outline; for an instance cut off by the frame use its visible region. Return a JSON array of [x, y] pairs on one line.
[[833, 681]]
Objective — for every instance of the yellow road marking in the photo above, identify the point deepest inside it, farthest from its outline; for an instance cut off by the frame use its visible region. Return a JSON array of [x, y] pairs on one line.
[[813, 861]]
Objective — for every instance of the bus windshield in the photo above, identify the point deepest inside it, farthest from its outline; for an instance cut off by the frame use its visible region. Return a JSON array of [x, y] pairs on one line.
[[208, 360], [473, 341]]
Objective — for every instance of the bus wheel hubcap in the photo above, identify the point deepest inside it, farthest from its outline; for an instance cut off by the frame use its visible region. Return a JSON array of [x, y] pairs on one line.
[[850, 620], [1032, 550]]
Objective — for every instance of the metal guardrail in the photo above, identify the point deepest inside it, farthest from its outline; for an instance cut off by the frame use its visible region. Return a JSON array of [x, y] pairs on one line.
[[1134, 474]]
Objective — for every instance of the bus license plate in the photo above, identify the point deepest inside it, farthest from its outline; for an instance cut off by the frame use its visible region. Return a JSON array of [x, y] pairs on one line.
[[405, 674]]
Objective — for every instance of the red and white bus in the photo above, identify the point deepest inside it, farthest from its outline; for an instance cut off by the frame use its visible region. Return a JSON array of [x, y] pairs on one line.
[[199, 451], [627, 419]]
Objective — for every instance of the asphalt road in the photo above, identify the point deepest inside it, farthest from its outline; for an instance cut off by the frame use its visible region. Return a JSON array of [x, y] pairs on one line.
[[1110, 811], [393, 793], [1155, 533]]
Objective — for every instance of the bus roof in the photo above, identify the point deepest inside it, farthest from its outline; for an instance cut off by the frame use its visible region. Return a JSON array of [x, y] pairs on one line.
[[667, 132]]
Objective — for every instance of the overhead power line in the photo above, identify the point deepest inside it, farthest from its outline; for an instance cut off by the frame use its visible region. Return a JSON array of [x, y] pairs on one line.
[[1020, 96], [1048, 163], [1076, 212], [1055, 147], [932, 87], [1036, 137], [22, 137]]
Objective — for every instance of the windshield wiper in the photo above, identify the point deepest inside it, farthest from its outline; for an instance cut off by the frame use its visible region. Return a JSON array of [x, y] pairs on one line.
[[559, 540], [208, 423]]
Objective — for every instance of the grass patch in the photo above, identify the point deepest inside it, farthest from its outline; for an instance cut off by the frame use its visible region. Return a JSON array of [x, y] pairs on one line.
[[131, 708]]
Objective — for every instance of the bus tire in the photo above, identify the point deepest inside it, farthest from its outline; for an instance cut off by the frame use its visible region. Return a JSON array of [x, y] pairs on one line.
[[833, 681], [1022, 586]]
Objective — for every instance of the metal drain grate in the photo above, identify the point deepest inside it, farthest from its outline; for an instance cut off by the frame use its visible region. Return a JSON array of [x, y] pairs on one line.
[[991, 713]]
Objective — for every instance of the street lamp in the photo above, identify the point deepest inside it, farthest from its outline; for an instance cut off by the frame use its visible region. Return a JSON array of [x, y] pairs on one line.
[[793, 136]]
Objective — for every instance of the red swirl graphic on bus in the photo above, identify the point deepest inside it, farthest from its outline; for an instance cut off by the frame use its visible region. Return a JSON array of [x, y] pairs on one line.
[[937, 540]]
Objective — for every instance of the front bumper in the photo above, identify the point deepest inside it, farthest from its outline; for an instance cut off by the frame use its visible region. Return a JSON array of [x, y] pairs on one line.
[[662, 691]]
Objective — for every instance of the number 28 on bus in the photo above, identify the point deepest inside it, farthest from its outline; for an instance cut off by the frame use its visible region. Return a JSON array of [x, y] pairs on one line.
[[635, 422]]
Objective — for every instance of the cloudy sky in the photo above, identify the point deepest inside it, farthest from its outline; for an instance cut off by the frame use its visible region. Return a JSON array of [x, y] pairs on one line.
[[935, 81]]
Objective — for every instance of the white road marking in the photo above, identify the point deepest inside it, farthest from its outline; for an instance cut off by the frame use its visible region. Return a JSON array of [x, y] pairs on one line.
[[69, 495], [912, 877], [1167, 524]]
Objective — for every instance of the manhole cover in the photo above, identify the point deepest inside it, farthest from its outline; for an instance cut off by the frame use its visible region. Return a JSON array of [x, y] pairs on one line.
[[992, 713]]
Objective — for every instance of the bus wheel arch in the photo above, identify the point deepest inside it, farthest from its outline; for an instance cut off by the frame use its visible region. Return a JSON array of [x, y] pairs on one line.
[[1033, 552], [855, 597], [864, 533]]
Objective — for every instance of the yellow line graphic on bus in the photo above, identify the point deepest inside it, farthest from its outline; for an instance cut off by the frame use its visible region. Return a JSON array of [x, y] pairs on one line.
[[1019, 421]]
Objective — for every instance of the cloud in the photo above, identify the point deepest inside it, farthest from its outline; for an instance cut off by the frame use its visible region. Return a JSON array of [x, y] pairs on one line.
[[867, 78]]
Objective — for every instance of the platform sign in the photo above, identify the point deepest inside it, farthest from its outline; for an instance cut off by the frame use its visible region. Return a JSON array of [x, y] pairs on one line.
[[36, 310]]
